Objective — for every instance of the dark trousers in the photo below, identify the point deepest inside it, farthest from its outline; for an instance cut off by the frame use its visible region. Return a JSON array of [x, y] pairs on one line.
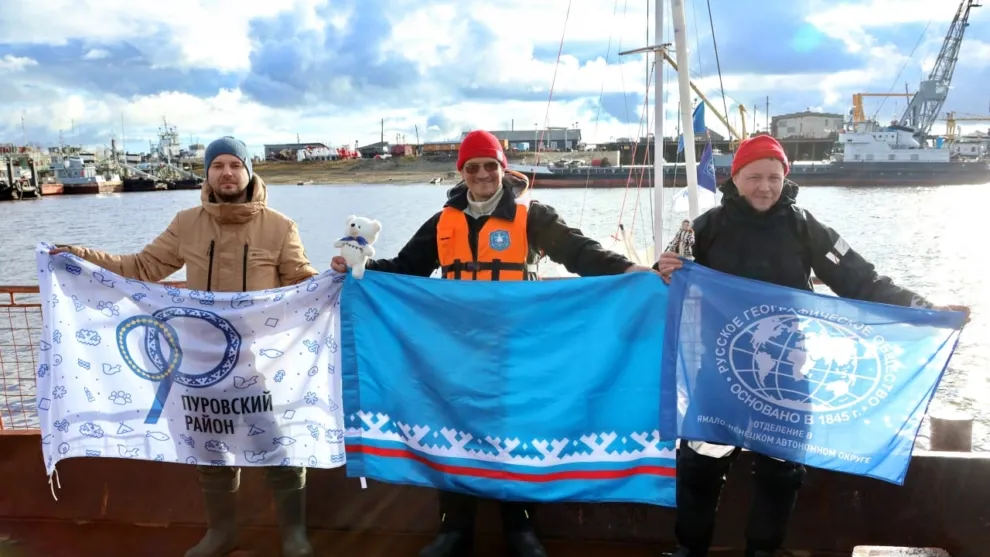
[[457, 512], [699, 483]]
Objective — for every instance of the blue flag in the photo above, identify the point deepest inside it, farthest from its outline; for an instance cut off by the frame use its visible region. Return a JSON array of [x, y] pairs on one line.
[[526, 391], [825, 381], [706, 169], [697, 123]]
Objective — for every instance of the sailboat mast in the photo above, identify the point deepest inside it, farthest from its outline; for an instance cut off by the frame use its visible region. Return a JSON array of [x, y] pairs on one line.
[[684, 83], [658, 244]]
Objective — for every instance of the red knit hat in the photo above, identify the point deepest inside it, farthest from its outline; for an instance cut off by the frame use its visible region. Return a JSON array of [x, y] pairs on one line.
[[480, 143], [757, 148]]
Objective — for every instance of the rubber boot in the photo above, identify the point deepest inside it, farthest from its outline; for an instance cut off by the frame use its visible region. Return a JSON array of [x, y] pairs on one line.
[[450, 543], [520, 538], [291, 506], [221, 536], [524, 543]]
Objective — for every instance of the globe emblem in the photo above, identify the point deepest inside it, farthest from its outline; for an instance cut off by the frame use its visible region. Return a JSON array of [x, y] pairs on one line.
[[805, 363]]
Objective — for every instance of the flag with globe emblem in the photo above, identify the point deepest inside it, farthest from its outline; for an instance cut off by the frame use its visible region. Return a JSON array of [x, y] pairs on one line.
[[825, 381]]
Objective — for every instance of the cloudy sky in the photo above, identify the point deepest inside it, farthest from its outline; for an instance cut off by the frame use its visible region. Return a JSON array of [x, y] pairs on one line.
[[330, 70]]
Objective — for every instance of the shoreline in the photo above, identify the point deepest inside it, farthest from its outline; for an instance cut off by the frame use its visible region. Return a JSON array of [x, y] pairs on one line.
[[369, 171]]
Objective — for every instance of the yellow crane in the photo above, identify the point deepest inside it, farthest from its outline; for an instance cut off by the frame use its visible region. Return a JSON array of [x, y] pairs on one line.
[[734, 143], [721, 118], [858, 114], [950, 124]]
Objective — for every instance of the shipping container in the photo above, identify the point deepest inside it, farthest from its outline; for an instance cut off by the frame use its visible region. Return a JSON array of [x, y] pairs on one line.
[[441, 147], [402, 150]]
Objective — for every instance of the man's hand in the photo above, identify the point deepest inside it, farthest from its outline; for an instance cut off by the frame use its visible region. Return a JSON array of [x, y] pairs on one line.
[[60, 249], [637, 269], [964, 309], [338, 264], [668, 263]]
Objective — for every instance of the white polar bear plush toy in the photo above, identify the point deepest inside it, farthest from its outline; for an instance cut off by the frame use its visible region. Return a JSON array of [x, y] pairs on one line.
[[356, 245]]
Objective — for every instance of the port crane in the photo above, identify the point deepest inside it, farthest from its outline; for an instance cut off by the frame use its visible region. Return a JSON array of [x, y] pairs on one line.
[[926, 104]]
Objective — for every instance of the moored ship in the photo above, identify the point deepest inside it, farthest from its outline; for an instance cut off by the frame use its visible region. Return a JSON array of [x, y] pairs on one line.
[[865, 156], [78, 177]]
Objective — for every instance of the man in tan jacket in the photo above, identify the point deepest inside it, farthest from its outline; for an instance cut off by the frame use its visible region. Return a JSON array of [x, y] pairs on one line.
[[232, 242]]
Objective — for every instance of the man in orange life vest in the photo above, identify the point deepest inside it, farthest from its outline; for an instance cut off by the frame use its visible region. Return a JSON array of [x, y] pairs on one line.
[[486, 231]]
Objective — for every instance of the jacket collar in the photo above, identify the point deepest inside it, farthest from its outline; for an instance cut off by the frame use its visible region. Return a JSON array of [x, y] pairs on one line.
[[236, 213]]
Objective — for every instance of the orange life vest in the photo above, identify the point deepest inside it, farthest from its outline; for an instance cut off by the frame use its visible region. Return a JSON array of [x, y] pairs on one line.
[[503, 247]]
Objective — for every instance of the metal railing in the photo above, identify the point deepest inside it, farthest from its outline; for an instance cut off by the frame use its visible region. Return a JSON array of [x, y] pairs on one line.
[[20, 327], [20, 332]]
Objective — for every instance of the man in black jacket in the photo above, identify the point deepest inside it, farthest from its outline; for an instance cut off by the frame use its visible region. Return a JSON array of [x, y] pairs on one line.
[[759, 233], [489, 230]]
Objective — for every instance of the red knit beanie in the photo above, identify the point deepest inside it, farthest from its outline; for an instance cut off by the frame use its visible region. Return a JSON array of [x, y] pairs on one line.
[[480, 143], [757, 148]]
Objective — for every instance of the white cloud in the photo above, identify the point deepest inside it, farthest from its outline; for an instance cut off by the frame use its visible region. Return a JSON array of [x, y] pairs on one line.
[[15, 63], [211, 34], [433, 37], [96, 54]]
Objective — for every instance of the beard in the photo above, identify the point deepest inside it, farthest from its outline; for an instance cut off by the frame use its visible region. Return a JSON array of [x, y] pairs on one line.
[[228, 196]]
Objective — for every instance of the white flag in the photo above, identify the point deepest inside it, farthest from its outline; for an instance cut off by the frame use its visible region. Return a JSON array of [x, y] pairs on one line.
[[129, 369]]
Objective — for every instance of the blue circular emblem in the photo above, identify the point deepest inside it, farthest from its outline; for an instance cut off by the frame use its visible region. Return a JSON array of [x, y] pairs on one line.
[[498, 240], [167, 369]]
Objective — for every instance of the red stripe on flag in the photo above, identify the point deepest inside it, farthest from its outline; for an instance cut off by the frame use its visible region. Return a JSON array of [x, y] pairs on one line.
[[517, 476]]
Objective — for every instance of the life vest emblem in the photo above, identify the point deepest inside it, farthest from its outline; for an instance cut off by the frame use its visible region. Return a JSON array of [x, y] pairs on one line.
[[499, 240]]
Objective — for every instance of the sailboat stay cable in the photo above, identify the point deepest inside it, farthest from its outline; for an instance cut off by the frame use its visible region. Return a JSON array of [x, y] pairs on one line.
[[694, 16], [598, 111], [642, 173], [897, 79], [553, 82], [622, 73], [711, 23]]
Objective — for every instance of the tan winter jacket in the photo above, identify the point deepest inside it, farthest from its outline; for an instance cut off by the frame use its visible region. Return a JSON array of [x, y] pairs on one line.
[[226, 247]]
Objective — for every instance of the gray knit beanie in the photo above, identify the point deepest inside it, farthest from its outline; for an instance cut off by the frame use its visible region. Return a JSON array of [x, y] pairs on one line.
[[228, 146]]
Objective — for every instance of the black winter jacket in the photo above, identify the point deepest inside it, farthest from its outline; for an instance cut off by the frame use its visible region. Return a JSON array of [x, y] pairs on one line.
[[545, 229], [784, 245]]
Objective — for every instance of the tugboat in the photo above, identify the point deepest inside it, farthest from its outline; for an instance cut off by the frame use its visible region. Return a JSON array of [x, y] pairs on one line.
[[190, 182], [134, 183]]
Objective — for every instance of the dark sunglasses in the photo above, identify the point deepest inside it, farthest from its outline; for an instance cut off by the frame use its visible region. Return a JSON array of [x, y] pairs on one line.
[[473, 168]]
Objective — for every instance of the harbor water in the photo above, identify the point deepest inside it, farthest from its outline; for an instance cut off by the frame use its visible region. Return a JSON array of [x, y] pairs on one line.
[[922, 237]]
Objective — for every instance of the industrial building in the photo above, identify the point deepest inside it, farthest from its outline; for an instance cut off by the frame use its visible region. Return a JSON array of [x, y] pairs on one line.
[[806, 125], [288, 151], [548, 140]]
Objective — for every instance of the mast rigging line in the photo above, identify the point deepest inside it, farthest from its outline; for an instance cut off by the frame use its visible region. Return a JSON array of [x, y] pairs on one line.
[[903, 67], [718, 65], [598, 112], [553, 82]]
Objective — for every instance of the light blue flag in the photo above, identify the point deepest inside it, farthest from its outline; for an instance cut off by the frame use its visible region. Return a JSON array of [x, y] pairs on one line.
[[825, 381], [545, 391]]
